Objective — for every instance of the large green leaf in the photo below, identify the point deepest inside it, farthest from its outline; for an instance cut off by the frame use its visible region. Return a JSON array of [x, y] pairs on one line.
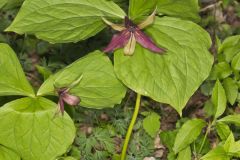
[[217, 153], [219, 99], [188, 133], [7, 154], [60, 21], [28, 126], [174, 77], [138, 8], [12, 77], [187, 9], [9, 4], [235, 119], [99, 86]]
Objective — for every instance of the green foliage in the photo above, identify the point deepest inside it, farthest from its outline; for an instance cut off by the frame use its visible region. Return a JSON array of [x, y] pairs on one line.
[[186, 9], [31, 122], [151, 124], [99, 145], [12, 77], [60, 21], [234, 119], [8, 154], [231, 89], [9, 4], [216, 153], [138, 8], [223, 130], [185, 154], [180, 71], [218, 99], [98, 88], [188, 133]]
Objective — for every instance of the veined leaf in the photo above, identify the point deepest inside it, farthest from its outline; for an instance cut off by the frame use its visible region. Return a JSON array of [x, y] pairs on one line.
[[139, 8], [230, 47], [223, 130], [220, 71], [219, 99], [217, 153], [236, 61], [174, 77], [61, 21], [234, 119], [231, 89], [151, 124], [9, 4], [187, 9], [7, 154], [99, 86], [231, 147], [28, 126], [185, 154], [12, 78], [188, 133]]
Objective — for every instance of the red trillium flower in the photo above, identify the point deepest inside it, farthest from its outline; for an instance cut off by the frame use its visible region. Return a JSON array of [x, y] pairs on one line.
[[64, 96], [131, 33]]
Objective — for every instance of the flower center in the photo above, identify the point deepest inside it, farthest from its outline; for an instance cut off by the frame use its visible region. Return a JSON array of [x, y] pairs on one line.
[[132, 29]]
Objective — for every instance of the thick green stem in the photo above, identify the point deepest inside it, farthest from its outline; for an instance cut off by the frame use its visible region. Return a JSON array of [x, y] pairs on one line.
[[130, 128]]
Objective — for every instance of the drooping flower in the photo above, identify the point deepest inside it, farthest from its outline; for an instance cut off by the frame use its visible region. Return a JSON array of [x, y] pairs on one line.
[[66, 97], [131, 33]]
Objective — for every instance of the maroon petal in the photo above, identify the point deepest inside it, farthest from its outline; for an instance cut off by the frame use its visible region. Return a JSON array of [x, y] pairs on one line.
[[147, 42], [70, 99], [61, 105], [118, 41]]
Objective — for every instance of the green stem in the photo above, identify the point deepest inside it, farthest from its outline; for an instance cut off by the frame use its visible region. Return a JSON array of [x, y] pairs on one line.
[[205, 137], [130, 128]]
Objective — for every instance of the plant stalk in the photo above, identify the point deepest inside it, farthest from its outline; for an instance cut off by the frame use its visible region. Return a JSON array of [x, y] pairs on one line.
[[205, 137], [130, 128]]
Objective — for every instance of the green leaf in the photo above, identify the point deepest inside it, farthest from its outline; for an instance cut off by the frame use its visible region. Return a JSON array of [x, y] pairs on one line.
[[185, 154], [217, 153], [7, 154], [230, 47], [223, 130], [99, 86], [45, 72], [188, 133], [231, 147], [219, 99], [151, 124], [9, 4], [168, 138], [12, 77], [236, 62], [235, 119], [220, 71], [186, 9], [171, 78], [231, 89], [62, 21], [138, 8], [28, 126]]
